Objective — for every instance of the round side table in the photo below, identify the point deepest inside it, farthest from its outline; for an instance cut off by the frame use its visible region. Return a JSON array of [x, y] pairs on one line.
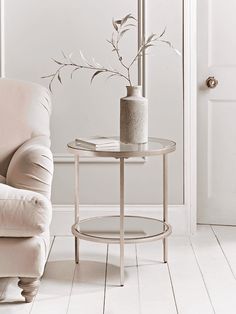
[[123, 229]]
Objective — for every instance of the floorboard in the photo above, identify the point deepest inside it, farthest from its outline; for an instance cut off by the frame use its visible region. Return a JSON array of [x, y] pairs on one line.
[[227, 241], [122, 299], [10, 296], [156, 294], [220, 283], [55, 288], [3, 286], [190, 292], [13, 302], [200, 277], [87, 294]]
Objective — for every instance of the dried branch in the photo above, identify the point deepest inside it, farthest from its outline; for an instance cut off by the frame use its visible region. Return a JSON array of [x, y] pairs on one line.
[[97, 70], [121, 27]]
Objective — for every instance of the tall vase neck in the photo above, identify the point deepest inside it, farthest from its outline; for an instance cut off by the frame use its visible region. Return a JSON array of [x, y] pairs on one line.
[[134, 91]]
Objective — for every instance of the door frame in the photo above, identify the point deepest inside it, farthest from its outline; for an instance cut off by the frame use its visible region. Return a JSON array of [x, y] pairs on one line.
[[189, 56], [2, 40], [190, 111]]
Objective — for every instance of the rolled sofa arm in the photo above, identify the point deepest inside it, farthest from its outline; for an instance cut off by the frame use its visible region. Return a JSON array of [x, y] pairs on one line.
[[31, 167]]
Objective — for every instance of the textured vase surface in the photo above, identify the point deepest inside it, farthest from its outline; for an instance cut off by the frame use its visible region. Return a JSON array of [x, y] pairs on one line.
[[134, 116]]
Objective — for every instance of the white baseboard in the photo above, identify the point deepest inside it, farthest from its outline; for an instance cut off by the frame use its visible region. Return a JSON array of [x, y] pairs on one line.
[[63, 215]]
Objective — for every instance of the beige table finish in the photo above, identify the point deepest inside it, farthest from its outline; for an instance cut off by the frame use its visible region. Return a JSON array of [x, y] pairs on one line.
[[154, 147]]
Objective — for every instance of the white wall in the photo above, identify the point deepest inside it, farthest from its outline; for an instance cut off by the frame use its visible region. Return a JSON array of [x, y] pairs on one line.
[[37, 30]]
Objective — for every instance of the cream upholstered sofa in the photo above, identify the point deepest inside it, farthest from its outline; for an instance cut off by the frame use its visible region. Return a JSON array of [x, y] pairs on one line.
[[26, 169]]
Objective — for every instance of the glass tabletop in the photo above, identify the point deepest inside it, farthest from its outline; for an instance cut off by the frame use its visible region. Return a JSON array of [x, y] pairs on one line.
[[136, 228], [154, 146]]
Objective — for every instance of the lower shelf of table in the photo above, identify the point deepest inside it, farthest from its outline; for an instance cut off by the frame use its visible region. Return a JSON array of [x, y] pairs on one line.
[[106, 229]]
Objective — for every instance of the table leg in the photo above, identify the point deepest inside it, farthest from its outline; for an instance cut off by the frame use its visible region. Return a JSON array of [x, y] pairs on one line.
[[122, 221], [165, 205], [76, 206]]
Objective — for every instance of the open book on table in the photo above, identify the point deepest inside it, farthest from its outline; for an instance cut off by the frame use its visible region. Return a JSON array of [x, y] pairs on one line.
[[95, 142]]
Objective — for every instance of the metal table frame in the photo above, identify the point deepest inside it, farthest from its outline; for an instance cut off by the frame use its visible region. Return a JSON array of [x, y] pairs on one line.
[[122, 156]]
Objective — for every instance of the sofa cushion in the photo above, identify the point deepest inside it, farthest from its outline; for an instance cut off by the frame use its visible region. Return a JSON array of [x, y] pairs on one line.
[[23, 213]]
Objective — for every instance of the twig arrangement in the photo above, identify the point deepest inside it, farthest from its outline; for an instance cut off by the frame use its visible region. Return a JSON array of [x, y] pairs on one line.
[[121, 27]]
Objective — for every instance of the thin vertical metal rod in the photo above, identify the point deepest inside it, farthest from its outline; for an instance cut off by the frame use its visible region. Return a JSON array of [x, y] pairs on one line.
[[144, 26], [77, 206], [165, 204], [139, 41], [122, 209]]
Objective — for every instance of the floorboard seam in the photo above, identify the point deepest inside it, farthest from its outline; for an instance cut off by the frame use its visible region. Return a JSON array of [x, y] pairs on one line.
[[202, 276], [72, 285], [139, 291], [105, 283], [218, 241], [32, 305], [4, 288], [172, 288], [50, 249]]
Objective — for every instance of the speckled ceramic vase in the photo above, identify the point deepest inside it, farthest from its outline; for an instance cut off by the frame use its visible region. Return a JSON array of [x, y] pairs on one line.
[[134, 117]]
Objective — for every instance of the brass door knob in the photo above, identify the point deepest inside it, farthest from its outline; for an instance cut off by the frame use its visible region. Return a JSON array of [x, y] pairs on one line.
[[211, 82]]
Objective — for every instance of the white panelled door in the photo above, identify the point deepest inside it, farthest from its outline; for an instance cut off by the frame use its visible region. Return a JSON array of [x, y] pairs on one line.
[[217, 112]]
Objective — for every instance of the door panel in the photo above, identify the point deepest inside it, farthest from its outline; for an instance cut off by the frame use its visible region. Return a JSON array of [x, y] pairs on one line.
[[216, 112], [222, 33]]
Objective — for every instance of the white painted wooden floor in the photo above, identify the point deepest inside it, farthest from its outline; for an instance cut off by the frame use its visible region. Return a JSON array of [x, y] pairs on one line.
[[200, 278]]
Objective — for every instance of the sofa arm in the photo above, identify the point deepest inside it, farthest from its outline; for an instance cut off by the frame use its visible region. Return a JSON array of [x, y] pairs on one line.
[[23, 213], [31, 167]]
